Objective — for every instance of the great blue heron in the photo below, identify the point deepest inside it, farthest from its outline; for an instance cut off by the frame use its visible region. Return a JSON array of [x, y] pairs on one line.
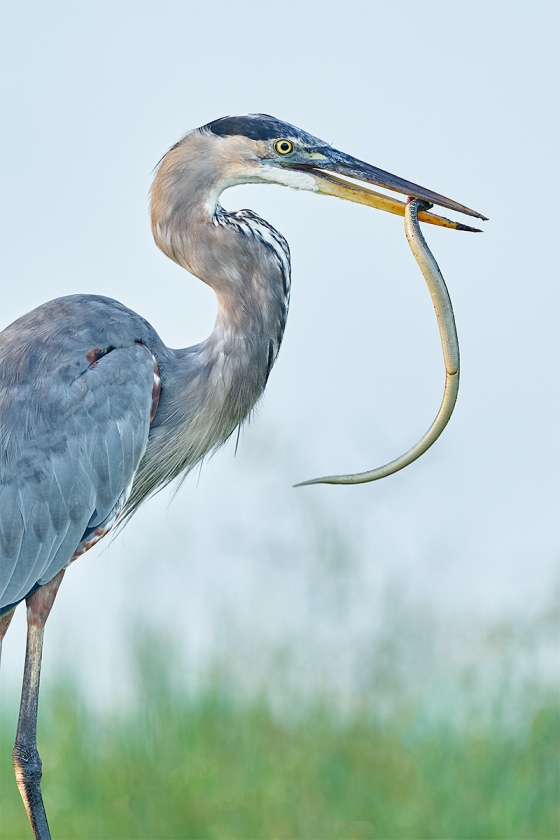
[[96, 413]]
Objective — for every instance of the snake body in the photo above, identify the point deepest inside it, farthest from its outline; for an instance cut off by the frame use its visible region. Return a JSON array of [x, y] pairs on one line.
[[450, 346]]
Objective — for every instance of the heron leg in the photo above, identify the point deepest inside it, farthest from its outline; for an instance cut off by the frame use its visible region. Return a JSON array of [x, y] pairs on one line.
[[27, 762], [4, 624]]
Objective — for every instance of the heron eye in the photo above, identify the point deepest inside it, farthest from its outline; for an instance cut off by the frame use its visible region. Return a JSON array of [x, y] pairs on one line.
[[283, 147]]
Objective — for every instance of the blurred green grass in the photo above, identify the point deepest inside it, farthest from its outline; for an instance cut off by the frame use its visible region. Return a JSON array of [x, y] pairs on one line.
[[208, 764]]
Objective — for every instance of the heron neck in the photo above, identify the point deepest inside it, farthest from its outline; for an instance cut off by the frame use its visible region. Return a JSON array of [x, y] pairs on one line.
[[209, 389], [247, 264], [250, 274], [244, 260]]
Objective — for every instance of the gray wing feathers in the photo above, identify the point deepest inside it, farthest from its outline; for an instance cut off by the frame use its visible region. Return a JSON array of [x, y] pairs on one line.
[[72, 440]]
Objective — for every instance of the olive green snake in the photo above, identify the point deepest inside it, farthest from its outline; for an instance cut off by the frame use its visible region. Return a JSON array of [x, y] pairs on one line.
[[450, 347]]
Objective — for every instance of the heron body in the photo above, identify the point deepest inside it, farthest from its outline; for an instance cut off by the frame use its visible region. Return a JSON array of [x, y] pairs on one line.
[[83, 371], [96, 413]]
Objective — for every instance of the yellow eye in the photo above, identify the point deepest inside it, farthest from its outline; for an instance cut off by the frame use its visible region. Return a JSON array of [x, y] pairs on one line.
[[283, 147]]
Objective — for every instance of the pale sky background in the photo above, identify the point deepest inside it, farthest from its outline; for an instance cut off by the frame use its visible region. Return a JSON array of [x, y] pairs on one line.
[[461, 97]]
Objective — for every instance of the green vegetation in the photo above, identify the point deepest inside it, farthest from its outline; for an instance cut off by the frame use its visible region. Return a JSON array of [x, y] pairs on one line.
[[205, 765]]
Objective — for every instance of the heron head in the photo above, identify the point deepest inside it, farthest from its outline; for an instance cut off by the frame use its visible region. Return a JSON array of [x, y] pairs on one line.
[[257, 148]]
